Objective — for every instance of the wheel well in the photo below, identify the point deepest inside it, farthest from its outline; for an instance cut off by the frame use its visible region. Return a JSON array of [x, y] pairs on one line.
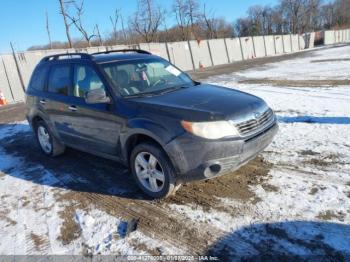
[[137, 139], [35, 120]]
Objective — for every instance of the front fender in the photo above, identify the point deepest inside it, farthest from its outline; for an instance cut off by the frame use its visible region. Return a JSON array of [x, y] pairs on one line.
[[148, 128]]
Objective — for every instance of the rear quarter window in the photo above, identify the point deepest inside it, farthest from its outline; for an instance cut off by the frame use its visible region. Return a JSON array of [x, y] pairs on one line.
[[37, 81]]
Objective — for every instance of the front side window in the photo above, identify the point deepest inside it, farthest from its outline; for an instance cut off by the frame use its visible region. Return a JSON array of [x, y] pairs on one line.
[[59, 79], [85, 79], [145, 76]]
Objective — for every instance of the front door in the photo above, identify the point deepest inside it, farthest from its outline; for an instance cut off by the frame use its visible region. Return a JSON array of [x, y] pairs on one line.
[[95, 126]]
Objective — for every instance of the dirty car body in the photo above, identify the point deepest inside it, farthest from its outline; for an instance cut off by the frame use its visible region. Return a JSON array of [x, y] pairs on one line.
[[140, 110]]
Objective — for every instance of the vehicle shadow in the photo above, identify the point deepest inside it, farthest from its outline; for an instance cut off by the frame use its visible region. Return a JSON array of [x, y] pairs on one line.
[[315, 119], [285, 241], [74, 170]]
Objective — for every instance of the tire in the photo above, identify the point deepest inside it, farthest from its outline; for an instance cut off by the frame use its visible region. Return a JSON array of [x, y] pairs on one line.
[[143, 179], [53, 147]]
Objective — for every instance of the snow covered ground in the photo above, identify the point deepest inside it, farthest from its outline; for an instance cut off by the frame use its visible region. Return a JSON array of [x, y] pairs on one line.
[[301, 208]]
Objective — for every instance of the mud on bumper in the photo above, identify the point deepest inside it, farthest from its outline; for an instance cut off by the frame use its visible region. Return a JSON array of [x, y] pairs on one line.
[[202, 159]]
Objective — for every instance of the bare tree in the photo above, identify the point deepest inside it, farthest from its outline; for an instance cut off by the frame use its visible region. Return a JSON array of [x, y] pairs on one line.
[[327, 16], [67, 26], [342, 10], [76, 20], [147, 20], [148, 23], [123, 28], [193, 11], [209, 22], [293, 10], [48, 29], [181, 15], [98, 34], [255, 14], [114, 22]]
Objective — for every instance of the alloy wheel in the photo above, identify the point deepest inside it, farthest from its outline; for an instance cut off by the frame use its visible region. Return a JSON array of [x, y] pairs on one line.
[[44, 139], [149, 172]]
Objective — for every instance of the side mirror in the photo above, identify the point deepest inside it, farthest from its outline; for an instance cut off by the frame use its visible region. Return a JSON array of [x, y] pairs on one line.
[[97, 96]]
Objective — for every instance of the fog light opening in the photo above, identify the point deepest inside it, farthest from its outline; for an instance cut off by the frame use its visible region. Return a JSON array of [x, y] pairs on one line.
[[214, 169]]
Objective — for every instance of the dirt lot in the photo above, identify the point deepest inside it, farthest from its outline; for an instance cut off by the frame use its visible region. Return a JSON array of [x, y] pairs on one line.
[[12, 113], [292, 200]]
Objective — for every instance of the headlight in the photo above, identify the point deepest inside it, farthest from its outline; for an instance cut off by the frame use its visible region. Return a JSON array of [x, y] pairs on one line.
[[210, 130]]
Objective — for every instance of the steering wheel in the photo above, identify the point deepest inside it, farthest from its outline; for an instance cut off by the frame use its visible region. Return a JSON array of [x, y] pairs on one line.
[[158, 82]]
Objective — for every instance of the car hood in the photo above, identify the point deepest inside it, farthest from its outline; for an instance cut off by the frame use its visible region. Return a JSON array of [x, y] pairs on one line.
[[204, 102]]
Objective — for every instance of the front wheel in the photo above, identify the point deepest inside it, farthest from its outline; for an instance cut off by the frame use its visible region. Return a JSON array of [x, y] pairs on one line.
[[153, 171]]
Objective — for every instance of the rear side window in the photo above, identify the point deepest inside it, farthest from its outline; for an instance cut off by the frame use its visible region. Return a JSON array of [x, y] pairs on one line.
[[37, 82], [60, 79]]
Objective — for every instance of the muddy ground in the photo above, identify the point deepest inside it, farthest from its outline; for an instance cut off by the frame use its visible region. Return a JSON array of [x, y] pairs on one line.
[[126, 200]]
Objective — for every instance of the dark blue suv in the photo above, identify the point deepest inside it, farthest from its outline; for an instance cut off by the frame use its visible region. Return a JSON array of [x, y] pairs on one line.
[[138, 109]]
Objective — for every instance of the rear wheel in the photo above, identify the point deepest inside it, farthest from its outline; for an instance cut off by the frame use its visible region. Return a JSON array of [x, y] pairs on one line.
[[153, 171], [47, 142]]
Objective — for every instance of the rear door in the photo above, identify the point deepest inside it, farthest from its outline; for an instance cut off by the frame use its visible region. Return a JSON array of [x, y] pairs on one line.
[[57, 99], [35, 93]]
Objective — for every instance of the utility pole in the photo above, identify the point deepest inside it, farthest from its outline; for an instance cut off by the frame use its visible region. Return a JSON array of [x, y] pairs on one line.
[[48, 29], [18, 69]]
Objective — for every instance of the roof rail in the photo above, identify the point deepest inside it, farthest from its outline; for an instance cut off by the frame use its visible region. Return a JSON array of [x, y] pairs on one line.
[[56, 57], [123, 51]]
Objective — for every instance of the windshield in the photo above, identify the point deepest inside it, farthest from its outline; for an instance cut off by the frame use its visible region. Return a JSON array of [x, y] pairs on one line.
[[145, 77]]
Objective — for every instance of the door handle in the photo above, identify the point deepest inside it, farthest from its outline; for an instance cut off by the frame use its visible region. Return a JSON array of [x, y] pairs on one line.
[[42, 101], [73, 108]]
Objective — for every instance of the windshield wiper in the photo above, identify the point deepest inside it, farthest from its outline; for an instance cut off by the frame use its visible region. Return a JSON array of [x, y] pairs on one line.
[[171, 89], [157, 92]]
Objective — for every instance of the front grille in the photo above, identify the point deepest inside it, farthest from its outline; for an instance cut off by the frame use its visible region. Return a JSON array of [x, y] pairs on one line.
[[252, 125]]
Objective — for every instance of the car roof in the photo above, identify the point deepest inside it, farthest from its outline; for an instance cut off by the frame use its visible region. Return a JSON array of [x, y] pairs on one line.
[[100, 58]]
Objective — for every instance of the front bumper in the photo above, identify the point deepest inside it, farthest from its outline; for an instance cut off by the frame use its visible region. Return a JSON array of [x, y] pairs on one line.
[[198, 159]]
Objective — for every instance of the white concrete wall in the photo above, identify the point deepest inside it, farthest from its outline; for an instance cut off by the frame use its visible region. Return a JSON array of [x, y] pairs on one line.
[[234, 49], [270, 45], [247, 48], [186, 55], [287, 43], [338, 36], [158, 49], [329, 37], [279, 44], [201, 55], [312, 40], [4, 85], [96, 49], [218, 51], [180, 55], [118, 47], [27, 62], [346, 35], [259, 46], [13, 77], [295, 43], [302, 44]]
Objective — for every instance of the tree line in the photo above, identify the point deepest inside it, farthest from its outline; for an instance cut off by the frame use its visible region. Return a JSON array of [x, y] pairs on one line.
[[196, 21]]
